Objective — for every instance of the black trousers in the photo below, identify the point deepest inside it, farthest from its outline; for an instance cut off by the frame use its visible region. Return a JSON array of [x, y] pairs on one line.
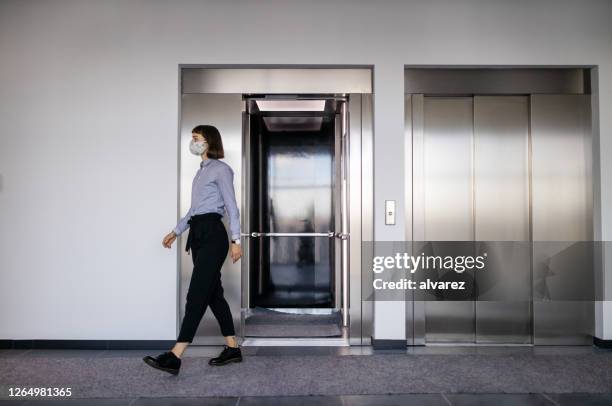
[[209, 247]]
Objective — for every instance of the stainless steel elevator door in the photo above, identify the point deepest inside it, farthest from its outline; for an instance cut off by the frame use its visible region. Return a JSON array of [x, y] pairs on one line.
[[448, 205], [562, 217], [501, 218], [514, 172], [471, 183]]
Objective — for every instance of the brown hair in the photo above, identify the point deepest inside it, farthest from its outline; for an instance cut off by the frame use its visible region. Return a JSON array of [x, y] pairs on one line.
[[213, 138]]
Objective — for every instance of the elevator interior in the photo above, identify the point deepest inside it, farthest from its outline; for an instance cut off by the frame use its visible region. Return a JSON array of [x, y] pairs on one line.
[[299, 141], [503, 157], [295, 199]]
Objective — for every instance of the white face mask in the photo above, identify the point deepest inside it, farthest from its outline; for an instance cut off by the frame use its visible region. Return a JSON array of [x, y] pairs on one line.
[[198, 147]]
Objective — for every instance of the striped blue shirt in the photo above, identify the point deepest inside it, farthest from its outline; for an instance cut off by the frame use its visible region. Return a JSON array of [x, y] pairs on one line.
[[212, 191]]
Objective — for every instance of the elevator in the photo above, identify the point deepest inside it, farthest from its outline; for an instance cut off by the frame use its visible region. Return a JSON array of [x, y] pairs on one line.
[[300, 143], [502, 158], [296, 194]]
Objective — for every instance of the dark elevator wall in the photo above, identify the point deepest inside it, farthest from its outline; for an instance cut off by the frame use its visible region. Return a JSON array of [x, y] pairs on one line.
[[293, 183]]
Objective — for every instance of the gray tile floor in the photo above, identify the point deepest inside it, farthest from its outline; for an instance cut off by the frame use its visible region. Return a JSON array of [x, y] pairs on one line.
[[528, 399], [443, 399]]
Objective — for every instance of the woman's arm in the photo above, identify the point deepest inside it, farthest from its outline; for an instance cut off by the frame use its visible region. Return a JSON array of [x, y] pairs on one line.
[[225, 181], [182, 224]]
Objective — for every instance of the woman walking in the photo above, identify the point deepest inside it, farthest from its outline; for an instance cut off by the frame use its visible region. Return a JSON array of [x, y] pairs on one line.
[[212, 193]]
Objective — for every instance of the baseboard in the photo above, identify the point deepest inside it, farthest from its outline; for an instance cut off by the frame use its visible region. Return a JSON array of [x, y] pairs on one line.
[[381, 344], [602, 343], [86, 344]]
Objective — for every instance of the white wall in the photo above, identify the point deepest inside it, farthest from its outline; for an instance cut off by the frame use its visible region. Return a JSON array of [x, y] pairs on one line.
[[88, 124]]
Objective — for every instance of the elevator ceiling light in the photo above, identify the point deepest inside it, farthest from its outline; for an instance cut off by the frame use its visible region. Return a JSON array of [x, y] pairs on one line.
[[293, 123], [291, 105]]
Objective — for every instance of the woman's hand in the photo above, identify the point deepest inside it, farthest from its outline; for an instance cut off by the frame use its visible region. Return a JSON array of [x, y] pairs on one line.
[[169, 239], [235, 252]]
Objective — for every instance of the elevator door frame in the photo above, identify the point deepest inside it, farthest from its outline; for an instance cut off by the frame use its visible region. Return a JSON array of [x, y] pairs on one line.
[[352, 161], [197, 83]]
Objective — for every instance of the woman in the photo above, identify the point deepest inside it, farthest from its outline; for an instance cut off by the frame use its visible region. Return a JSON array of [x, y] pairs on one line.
[[212, 193]]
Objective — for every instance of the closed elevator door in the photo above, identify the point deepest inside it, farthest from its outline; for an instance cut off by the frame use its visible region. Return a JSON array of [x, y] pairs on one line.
[[447, 206], [501, 218], [562, 219], [471, 183]]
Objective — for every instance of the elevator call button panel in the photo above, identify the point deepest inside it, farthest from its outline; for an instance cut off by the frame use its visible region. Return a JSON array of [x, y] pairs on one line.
[[390, 212]]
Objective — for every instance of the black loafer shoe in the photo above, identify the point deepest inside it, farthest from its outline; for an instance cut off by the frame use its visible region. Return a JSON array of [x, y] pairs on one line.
[[229, 354], [166, 361]]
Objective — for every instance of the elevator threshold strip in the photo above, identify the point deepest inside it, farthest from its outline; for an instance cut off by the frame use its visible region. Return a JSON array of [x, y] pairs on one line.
[[295, 342]]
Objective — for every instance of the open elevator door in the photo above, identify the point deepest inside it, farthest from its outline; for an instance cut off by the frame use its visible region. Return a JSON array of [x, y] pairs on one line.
[[295, 267]]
